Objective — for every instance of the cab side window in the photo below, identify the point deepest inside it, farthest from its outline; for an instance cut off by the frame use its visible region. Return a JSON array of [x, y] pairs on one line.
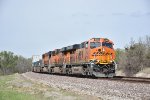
[[86, 45], [83, 45]]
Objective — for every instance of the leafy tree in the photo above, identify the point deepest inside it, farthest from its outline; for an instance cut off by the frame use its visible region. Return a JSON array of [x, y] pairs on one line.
[[10, 63], [7, 61]]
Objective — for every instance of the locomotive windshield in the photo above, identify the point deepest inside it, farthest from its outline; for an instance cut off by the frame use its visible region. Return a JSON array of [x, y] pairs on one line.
[[107, 44], [95, 44]]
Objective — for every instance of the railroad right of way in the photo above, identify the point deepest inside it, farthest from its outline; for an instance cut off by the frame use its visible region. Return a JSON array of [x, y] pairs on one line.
[[105, 89]]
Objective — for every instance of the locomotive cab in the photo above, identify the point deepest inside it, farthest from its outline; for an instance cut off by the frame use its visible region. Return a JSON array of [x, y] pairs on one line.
[[102, 52]]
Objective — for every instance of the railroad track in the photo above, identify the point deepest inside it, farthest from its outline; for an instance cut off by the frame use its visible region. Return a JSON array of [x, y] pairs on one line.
[[115, 78], [129, 79]]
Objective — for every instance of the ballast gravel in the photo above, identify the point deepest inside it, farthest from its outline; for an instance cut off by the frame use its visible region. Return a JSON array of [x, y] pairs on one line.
[[104, 89]]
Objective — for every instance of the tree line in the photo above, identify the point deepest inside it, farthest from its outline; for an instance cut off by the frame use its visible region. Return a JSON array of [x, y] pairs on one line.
[[135, 57], [11, 63]]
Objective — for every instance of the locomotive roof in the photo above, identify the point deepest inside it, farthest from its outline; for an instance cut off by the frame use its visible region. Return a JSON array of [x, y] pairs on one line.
[[77, 46]]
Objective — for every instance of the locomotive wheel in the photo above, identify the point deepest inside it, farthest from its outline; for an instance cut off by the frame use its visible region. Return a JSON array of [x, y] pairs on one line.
[[88, 72], [61, 70], [41, 69], [66, 71], [51, 70], [84, 72], [69, 71]]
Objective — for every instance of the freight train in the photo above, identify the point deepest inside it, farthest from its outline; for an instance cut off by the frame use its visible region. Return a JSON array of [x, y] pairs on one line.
[[94, 57]]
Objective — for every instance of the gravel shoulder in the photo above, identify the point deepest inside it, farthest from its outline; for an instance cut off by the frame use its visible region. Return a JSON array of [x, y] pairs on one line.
[[23, 87], [102, 89]]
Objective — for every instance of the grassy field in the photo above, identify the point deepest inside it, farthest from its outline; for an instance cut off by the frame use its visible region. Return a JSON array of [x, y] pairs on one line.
[[16, 87], [9, 92]]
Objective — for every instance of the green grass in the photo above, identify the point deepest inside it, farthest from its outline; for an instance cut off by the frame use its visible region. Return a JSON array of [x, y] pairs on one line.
[[12, 94]]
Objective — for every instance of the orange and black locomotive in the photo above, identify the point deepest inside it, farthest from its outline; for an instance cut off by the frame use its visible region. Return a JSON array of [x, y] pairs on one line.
[[94, 57]]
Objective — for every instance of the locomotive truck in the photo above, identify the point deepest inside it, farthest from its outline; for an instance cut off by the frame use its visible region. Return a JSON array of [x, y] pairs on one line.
[[94, 57]]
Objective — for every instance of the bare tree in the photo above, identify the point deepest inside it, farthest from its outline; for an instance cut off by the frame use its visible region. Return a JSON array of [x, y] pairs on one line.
[[136, 57], [23, 65]]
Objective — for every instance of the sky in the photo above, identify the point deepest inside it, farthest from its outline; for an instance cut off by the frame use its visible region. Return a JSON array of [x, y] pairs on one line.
[[33, 27]]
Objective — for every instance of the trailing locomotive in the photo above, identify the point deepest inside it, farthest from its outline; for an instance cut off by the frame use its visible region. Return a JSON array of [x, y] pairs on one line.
[[94, 57]]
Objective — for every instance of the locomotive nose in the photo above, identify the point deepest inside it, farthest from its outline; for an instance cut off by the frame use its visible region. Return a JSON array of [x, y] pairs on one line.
[[102, 55]]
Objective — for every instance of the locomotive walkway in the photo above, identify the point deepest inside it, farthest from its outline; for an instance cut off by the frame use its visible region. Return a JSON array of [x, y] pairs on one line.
[[104, 89]]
